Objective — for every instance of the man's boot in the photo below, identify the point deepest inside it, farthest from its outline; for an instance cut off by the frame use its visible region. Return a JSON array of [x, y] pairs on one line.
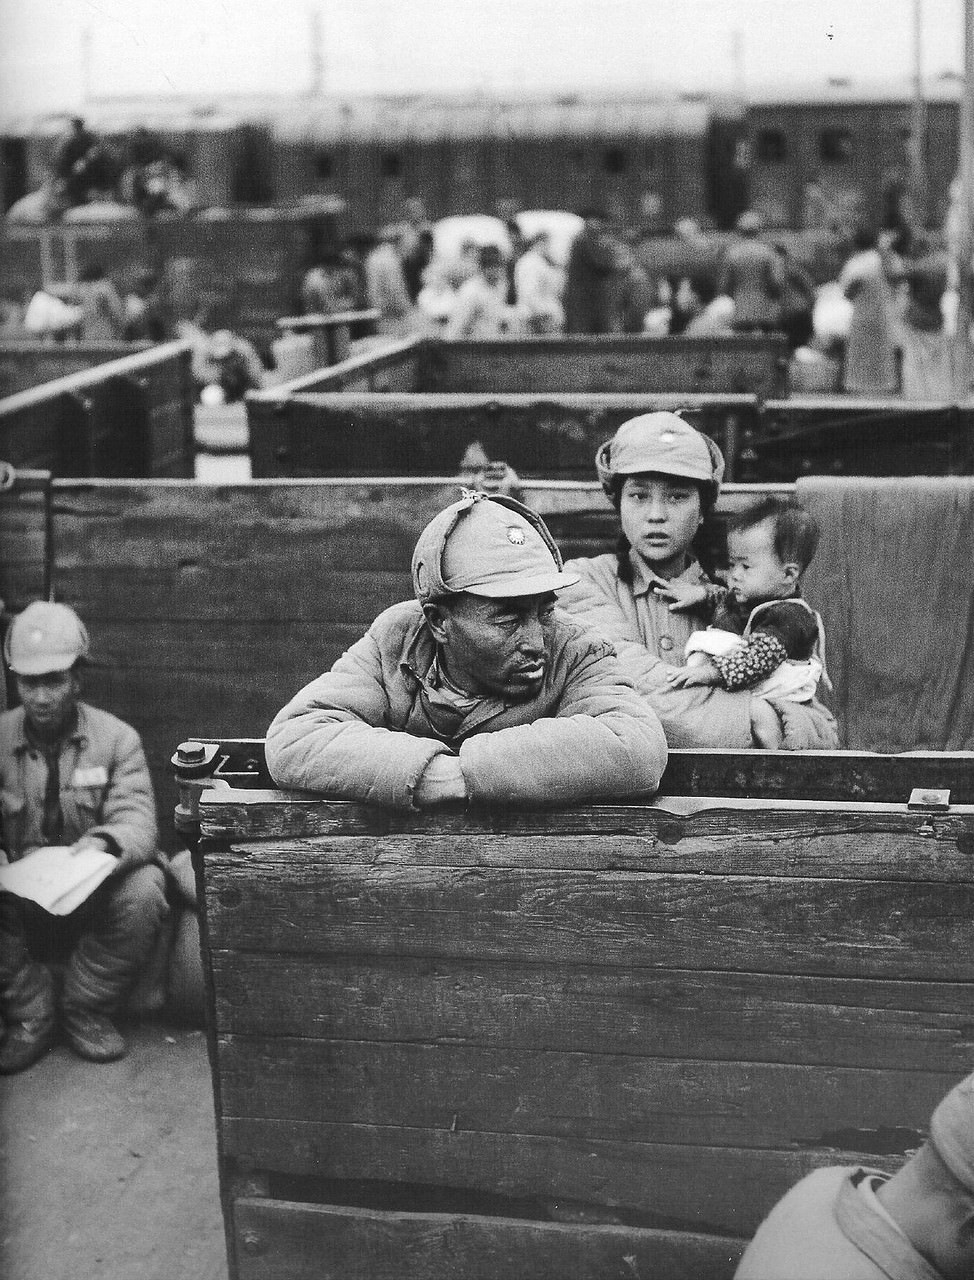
[[123, 926], [92, 1034], [30, 1018]]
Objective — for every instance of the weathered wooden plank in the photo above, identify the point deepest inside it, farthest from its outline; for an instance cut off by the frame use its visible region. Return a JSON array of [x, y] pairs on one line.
[[25, 538], [570, 1094], [718, 839], [293, 1241], [27, 364], [722, 1189], [428, 434], [174, 596], [711, 834], [602, 363], [838, 775], [911, 930], [653, 1012]]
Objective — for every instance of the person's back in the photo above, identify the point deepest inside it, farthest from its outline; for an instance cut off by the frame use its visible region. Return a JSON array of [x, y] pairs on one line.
[[592, 264], [753, 276], [386, 285], [859, 1224], [102, 308]]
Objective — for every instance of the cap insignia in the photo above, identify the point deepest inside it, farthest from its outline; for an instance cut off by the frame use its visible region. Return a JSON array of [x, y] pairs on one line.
[[515, 535], [667, 437]]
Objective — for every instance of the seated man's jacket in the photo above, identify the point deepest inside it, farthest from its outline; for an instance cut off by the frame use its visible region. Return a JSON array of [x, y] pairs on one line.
[[106, 789], [365, 731]]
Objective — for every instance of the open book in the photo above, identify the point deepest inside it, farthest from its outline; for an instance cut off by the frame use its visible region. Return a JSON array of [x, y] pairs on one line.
[[57, 879]]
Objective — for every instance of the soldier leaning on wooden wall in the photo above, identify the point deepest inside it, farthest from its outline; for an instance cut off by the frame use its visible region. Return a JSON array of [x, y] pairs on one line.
[[75, 776], [478, 690]]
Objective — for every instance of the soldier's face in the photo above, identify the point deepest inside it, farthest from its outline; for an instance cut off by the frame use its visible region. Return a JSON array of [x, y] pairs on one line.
[[49, 701], [495, 648]]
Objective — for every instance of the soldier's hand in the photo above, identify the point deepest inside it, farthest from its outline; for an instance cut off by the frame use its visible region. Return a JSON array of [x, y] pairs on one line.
[[442, 783]]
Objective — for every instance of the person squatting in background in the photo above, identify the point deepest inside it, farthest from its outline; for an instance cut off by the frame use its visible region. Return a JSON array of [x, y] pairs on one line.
[[72, 775]]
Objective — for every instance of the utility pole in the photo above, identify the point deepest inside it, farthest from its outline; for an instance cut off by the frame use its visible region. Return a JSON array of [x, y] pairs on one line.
[[965, 221], [316, 37], [918, 122]]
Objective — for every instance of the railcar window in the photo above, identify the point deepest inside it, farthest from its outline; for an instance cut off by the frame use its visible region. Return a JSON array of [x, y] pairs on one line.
[[835, 146], [771, 146], [649, 158], [615, 160], [324, 165], [391, 164]]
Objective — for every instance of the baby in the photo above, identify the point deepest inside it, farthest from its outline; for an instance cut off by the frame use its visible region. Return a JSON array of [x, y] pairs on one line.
[[762, 635]]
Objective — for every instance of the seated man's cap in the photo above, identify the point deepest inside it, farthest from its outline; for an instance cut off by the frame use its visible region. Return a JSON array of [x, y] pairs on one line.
[[659, 442], [488, 545], [952, 1132], [45, 638]]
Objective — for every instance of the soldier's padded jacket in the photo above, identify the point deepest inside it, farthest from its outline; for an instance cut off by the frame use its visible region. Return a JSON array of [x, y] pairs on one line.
[[106, 789], [363, 730]]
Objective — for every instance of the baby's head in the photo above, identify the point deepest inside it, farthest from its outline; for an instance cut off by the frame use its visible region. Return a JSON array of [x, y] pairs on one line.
[[769, 547]]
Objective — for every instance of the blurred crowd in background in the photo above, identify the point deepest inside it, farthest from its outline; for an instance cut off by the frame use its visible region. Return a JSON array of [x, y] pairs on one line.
[[866, 311]]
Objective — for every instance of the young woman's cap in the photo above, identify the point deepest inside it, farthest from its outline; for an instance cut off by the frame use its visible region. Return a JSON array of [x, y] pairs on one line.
[[659, 442], [488, 545]]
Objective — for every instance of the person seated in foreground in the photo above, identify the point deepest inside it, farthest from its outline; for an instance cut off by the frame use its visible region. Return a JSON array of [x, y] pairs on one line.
[[71, 775], [858, 1224], [762, 635], [478, 690], [663, 478]]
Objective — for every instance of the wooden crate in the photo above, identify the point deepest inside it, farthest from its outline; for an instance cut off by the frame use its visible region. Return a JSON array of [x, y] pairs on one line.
[[551, 436], [127, 417], [593, 1042]]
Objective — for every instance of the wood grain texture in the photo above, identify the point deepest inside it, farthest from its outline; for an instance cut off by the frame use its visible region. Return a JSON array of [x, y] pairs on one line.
[[320, 1242], [554, 436], [912, 930], [662, 1013], [24, 537], [568, 1094], [722, 1189], [722, 837], [739, 363]]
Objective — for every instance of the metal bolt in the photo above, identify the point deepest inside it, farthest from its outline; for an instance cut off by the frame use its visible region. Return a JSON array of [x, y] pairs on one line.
[[252, 1243]]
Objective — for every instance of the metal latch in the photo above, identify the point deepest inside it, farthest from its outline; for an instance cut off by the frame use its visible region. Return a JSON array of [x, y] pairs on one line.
[[924, 798]]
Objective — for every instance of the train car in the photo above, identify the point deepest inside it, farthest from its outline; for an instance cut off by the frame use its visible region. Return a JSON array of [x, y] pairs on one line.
[[648, 158], [800, 154], [842, 151]]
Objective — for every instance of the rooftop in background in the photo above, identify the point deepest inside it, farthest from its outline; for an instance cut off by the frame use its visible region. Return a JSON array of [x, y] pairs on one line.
[[327, 118]]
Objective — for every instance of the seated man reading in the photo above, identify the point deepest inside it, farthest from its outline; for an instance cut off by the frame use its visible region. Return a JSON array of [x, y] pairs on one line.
[[478, 690]]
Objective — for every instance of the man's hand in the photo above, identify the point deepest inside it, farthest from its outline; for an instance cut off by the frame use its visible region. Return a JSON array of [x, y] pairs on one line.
[[442, 783], [685, 595], [91, 842], [704, 673]]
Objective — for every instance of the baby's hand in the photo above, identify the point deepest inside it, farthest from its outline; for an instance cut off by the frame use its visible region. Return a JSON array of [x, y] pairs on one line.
[[685, 595], [702, 673]]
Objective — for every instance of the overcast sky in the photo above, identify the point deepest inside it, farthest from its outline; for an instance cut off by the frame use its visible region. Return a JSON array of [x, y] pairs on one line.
[[56, 53]]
